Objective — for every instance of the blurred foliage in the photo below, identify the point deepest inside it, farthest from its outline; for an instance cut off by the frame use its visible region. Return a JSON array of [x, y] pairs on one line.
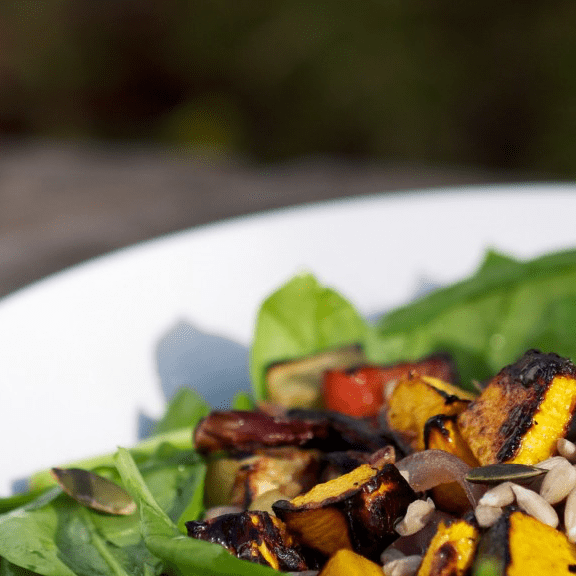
[[487, 84]]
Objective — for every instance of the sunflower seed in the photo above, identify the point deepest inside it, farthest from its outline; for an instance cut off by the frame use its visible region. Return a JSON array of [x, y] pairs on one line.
[[216, 511], [558, 482], [570, 516], [534, 505], [499, 496], [567, 449], [549, 463], [487, 515], [407, 566], [417, 516], [497, 473], [391, 554]]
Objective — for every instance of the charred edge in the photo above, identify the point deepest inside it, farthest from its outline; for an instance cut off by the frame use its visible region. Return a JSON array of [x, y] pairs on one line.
[[239, 535], [444, 557], [535, 367], [437, 423], [514, 428], [372, 530]]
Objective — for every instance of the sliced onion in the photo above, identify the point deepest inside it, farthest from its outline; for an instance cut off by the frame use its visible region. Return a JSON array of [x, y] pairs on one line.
[[429, 468]]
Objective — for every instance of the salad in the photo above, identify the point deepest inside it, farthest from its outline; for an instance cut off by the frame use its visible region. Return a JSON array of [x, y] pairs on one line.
[[68, 523]]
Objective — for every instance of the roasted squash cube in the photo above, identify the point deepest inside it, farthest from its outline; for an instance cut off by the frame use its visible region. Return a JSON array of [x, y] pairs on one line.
[[412, 401], [345, 562], [451, 550], [254, 536], [441, 433], [520, 545], [356, 511], [523, 411]]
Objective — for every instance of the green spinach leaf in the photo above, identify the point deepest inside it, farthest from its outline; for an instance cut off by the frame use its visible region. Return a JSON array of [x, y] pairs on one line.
[[301, 318], [486, 321], [186, 409], [182, 555]]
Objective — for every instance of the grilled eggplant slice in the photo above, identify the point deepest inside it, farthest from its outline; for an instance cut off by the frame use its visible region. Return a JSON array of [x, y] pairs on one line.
[[289, 470], [345, 562], [523, 411], [452, 549], [410, 402], [356, 511], [297, 383], [254, 536], [240, 431], [518, 544]]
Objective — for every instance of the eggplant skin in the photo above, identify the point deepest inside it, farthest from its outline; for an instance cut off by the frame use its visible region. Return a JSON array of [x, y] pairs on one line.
[[254, 536]]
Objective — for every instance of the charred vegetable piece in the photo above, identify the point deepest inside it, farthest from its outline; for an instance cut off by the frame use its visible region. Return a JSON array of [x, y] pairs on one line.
[[220, 475], [243, 431], [451, 550], [523, 411], [254, 536], [441, 433], [288, 470], [94, 491], [413, 400], [297, 383], [518, 545], [338, 463], [345, 432], [356, 511], [345, 562], [359, 392]]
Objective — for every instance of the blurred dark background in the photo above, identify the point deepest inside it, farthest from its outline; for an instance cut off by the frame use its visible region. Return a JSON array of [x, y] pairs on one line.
[[229, 107]]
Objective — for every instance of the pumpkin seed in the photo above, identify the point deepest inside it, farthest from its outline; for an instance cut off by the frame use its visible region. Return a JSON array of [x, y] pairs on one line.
[[496, 473], [94, 491]]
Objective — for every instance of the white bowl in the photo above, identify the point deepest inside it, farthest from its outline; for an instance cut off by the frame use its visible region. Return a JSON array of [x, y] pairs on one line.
[[79, 349]]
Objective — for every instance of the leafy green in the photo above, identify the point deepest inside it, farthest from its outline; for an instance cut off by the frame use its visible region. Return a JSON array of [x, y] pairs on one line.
[[181, 554], [180, 438], [488, 320], [186, 409], [53, 534], [301, 318], [243, 401]]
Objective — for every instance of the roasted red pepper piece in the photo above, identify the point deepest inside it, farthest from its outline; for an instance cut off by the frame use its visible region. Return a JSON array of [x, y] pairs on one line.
[[357, 393], [360, 392]]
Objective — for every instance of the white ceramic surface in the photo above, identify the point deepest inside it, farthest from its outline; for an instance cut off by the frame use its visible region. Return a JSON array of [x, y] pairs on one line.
[[78, 350]]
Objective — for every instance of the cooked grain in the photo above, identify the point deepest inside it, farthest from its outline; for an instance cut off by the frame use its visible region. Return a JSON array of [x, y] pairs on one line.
[[417, 516], [558, 482], [407, 566], [535, 505]]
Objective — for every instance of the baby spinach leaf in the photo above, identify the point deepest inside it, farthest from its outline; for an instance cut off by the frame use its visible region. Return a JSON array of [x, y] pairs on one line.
[[182, 555], [243, 401], [186, 409], [301, 318], [486, 321]]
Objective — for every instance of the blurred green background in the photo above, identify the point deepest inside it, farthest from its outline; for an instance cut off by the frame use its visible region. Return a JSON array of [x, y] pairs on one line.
[[490, 84]]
